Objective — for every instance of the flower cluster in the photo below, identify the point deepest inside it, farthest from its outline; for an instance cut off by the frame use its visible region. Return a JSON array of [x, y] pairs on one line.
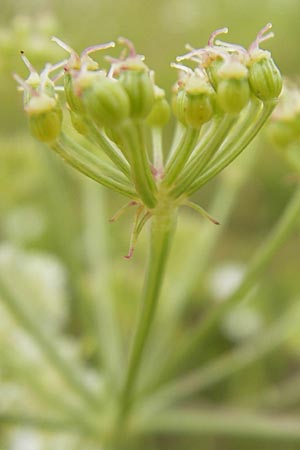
[[220, 104]]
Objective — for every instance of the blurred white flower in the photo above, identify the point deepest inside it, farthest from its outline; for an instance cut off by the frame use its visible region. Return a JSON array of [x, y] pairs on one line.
[[38, 278], [242, 323], [23, 439], [27, 439], [225, 279]]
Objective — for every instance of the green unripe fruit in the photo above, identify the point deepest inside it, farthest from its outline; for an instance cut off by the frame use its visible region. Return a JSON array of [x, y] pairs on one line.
[[74, 101], [233, 95], [212, 71], [140, 90], [45, 118], [264, 77], [160, 112], [106, 102], [199, 102], [194, 102], [233, 92], [199, 110]]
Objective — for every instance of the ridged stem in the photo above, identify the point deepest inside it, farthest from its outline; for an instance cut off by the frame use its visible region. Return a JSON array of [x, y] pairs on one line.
[[133, 139], [93, 167], [114, 154], [162, 229], [208, 145], [180, 155], [235, 146], [158, 157]]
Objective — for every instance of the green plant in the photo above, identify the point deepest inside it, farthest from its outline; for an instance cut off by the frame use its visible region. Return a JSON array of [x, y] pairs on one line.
[[115, 116]]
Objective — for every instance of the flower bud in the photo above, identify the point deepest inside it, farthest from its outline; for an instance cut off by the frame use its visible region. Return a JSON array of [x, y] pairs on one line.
[[160, 112], [199, 101], [137, 83], [106, 101], [264, 76], [233, 91], [74, 101], [45, 118], [212, 69]]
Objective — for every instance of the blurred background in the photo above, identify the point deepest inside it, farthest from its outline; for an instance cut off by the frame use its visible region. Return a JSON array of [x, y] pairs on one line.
[[49, 214]]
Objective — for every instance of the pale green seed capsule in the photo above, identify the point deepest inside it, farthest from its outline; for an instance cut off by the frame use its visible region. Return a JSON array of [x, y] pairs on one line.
[[212, 70], [74, 101], [264, 76], [140, 90], [233, 92], [106, 102], [199, 106], [45, 118], [160, 112], [233, 95]]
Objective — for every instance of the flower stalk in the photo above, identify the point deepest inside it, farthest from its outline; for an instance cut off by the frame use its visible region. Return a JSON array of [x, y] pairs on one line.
[[162, 230]]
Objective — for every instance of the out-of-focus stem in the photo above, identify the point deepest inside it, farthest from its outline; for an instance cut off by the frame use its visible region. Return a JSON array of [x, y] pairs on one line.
[[44, 342], [226, 422]]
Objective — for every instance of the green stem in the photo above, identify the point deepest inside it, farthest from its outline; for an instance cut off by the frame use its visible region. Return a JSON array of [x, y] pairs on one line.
[[180, 155], [133, 138], [177, 137], [113, 153], [35, 329], [158, 157], [44, 423], [259, 262], [162, 228], [207, 147], [197, 255], [226, 422], [93, 167], [244, 135]]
